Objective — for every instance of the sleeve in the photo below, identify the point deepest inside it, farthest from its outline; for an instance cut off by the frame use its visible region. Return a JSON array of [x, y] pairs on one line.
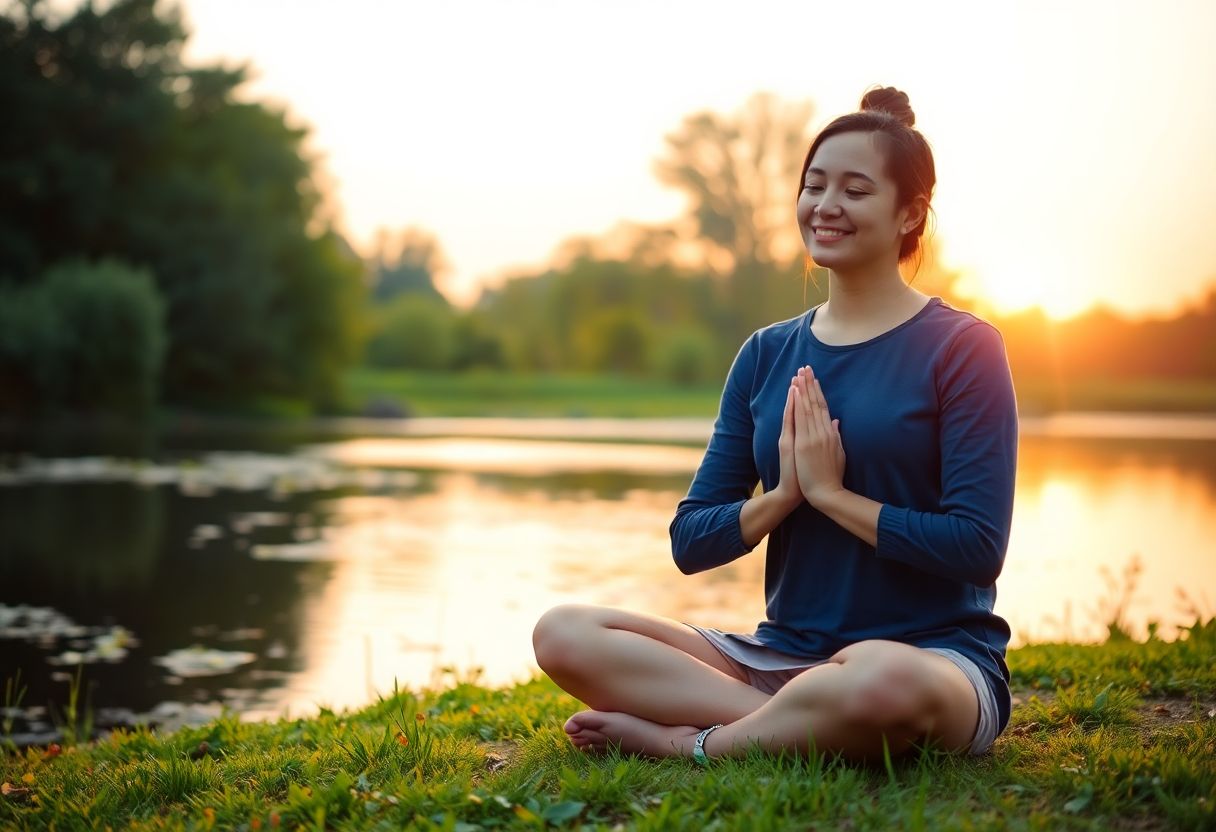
[[978, 421], [705, 531]]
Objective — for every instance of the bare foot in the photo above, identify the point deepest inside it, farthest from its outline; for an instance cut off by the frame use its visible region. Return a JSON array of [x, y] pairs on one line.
[[593, 730]]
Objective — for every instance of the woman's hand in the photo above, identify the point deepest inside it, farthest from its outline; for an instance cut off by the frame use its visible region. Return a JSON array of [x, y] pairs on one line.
[[818, 452], [787, 487]]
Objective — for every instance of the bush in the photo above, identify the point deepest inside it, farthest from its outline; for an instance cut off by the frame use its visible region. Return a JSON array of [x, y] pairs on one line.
[[414, 332], [615, 340], [86, 337], [686, 356]]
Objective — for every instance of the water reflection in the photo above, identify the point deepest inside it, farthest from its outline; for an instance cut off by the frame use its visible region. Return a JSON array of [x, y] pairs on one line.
[[396, 557]]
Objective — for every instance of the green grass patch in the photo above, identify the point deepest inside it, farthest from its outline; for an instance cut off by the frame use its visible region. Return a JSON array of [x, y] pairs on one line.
[[1120, 735], [485, 393], [1043, 395], [505, 393]]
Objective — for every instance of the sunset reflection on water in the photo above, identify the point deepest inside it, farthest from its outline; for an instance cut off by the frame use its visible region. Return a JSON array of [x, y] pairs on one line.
[[457, 573]]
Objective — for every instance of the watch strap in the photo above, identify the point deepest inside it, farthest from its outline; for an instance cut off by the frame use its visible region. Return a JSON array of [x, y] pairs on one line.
[[698, 750]]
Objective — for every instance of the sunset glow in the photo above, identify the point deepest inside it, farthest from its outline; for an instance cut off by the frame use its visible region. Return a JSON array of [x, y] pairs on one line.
[[1068, 174]]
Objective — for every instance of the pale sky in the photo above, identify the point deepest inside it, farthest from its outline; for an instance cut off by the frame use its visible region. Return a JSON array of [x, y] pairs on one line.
[[1074, 142]]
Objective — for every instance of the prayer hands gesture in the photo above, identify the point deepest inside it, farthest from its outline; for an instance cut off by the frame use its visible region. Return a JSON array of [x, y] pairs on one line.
[[812, 456]]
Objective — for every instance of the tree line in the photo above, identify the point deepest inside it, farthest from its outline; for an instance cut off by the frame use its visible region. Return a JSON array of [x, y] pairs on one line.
[[163, 242], [160, 240]]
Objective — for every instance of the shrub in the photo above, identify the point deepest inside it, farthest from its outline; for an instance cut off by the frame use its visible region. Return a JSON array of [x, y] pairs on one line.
[[413, 332], [86, 337]]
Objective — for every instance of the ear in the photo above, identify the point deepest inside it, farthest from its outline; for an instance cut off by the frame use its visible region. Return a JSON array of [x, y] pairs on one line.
[[913, 214]]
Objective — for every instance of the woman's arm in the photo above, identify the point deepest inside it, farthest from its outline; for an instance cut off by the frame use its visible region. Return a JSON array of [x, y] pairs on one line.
[[978, 421], [856, 514], [719, 520], [760, 515]]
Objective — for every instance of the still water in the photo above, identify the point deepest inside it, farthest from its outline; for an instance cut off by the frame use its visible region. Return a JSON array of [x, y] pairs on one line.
[[276, 575]]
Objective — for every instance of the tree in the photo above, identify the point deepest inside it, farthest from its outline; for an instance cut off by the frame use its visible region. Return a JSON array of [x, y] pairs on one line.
[[410, 261], [740, 173], [113, 148]]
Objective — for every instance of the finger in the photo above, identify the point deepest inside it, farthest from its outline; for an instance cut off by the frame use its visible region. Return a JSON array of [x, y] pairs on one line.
[[825, 418], [808, 398], [812, 390], [818, 393], [787, 418], [814, 410], [802, 421]]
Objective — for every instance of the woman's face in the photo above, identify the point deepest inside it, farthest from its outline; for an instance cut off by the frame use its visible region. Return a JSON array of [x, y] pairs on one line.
[[845, 189]]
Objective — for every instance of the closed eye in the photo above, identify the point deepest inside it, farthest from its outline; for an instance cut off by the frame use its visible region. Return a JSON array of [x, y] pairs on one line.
[[851, 192]]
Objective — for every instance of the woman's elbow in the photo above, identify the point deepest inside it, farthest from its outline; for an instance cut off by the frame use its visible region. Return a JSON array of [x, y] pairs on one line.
[[989, 560], [682, 555]]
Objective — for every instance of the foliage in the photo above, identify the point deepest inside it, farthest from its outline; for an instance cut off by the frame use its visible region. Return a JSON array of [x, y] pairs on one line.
[[85, 338], [409, 262], [413, 332], [685, 356], [740, 173], [114, 148]]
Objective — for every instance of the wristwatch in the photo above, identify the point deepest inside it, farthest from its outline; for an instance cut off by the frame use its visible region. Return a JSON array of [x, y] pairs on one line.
[[698, 752]]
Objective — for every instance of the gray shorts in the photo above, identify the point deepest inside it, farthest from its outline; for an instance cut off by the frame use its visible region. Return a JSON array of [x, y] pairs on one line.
[[768, 670]]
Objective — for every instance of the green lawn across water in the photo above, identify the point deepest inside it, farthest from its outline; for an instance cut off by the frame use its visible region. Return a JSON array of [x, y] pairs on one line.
[[514, 394], [1115, 736]]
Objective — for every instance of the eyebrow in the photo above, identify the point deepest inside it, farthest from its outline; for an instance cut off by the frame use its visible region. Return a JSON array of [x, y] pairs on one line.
[[856, 173]]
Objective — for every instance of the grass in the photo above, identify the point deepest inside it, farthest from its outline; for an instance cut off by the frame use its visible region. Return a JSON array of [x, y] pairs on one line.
[[487, 393], [1120, 735], [515, 394]]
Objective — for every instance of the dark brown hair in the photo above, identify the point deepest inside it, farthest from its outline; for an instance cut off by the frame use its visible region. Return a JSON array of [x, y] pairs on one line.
[[886, 113]]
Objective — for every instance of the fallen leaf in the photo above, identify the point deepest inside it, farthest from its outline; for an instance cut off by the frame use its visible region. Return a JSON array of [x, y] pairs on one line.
[[1161, 709]]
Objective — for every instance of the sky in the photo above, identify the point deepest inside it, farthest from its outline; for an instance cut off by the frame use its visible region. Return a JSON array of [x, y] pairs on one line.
[[1073, 141]]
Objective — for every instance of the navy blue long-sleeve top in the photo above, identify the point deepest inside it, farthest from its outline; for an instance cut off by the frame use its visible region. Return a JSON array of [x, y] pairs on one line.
[[930, 429]]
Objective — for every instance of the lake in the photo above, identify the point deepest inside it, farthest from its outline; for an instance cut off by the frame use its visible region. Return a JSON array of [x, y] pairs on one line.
[[272, 573]]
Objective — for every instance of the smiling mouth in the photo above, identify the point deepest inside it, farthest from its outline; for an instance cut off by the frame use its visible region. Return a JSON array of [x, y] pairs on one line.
[[825, 234]]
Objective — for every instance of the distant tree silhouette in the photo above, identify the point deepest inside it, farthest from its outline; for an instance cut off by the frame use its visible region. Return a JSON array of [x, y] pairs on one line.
[[740, 173], [409, 261]]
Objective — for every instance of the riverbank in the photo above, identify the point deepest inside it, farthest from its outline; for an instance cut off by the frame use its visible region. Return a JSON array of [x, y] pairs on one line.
[[407, 393], [1119, 735]]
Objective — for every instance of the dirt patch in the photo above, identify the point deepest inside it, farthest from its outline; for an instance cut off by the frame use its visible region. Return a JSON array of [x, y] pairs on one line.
[[498, 754], [1165, 712], [1153, 713]]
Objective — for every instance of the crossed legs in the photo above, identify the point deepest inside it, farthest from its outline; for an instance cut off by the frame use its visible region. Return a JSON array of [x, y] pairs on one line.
[[653, 683]]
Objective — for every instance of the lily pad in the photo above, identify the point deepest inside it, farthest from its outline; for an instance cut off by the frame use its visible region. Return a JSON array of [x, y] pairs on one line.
[[203, 661], [110, 645], [313, 550]]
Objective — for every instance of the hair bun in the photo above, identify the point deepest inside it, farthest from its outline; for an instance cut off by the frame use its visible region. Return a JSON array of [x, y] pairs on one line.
[[890, 100]]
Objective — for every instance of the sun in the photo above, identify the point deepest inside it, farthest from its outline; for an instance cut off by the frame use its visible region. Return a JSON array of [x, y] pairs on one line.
[[1014, 289]]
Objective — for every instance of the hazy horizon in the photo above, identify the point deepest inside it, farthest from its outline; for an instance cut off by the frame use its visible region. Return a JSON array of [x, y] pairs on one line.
[[505, 130]]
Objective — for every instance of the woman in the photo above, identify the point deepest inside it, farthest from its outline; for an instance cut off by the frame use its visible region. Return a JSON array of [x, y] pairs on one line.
[[883, 427]]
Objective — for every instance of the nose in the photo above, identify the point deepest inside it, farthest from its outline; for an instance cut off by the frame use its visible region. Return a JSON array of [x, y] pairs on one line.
[[828, 206]]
